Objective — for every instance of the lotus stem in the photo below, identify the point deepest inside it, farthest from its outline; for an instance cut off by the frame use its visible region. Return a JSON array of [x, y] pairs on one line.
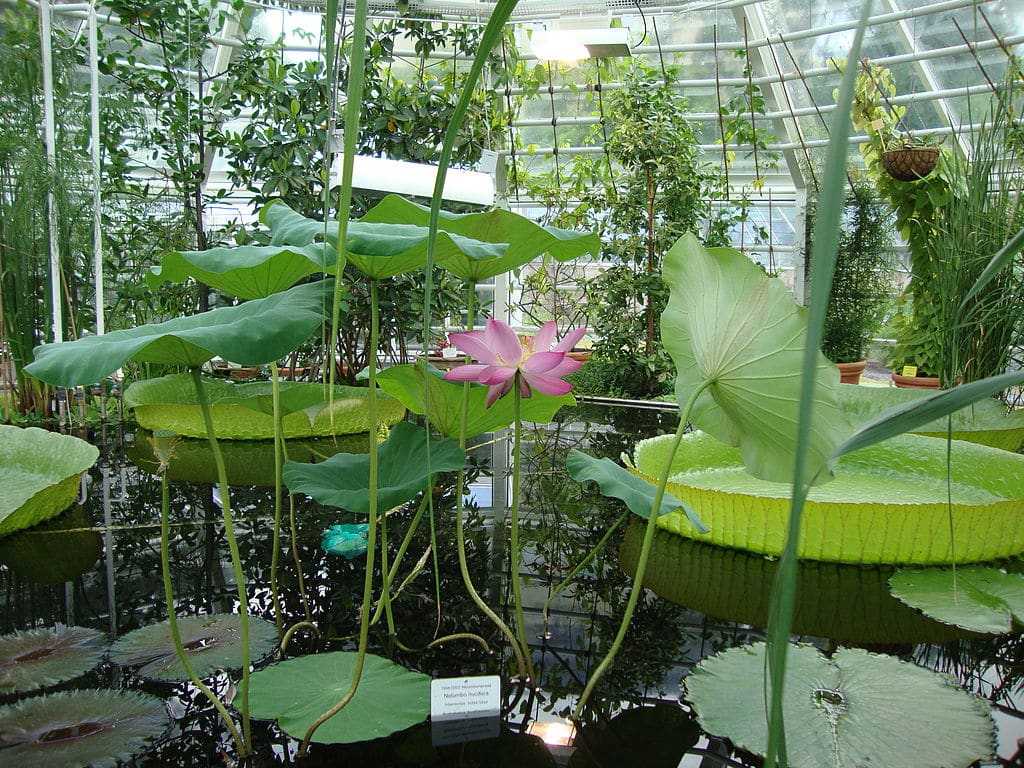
[[581, 565], [371, 540], [461, 636], [172, 618], [295, 628], [402, 549], [278, 483], [236, 558], [517, 595], [295, 554], [645, 553]]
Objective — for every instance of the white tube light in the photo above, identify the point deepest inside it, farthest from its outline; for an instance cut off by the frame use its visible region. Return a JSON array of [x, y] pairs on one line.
[[417, 179], [576, 44]]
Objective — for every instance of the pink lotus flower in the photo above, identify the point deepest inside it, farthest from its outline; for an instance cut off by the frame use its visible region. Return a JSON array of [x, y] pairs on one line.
[[506, 359]]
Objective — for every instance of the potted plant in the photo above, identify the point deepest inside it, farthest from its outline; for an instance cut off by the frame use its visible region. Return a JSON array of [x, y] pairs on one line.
[[861, 284], [912, 159]]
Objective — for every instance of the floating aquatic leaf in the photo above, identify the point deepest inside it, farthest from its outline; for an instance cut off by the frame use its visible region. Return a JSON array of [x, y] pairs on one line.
[[212, 642], [855, 708], [58, 550], [347, 539], [729, 323], [297, 691], [39, 658], [654, 737], [247, 271], [887, 504], [78, 728], [978, 598], [637, 493], [343, 480], [405, 383], [526, 240], [252, 333], [245, 411], [39, 474]]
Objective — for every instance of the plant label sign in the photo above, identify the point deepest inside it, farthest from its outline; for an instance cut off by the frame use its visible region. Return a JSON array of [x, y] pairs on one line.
[[465, 709]]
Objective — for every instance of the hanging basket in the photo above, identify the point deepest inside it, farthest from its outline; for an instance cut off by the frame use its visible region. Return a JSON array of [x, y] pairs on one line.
[[910, 163]]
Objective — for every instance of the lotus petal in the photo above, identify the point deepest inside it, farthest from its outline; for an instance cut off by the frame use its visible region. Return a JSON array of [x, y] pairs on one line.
[[39, 474], [39, 658], [79, 728], [855, 708], [212, 642], [297, 691]]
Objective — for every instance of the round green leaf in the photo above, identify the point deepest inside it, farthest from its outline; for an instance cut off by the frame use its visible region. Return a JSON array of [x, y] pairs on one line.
[[252, 333], [39, 474], [976, 598], [404, 465], [853, 709], [39, 658], [297, 691], [887, 503], [78, 728], [212, 642], [728, 323]]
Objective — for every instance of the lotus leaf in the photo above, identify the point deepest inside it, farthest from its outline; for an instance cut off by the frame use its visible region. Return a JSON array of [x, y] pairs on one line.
[[39, 474], [981, 599], [252, 333], [736, 586], [728, 323], [654, 737], [248, 271], [245, 411], [297, 691], [525, 238], [211, 642], [855, 708], [405, 383], [986, 422], [888, 503], [55, 551], [74, 729], [248, 462], [406, 462], [381, 251], [39, 658]]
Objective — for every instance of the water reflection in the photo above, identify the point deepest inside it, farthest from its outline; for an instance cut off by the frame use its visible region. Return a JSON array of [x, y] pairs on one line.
[[718, 600]]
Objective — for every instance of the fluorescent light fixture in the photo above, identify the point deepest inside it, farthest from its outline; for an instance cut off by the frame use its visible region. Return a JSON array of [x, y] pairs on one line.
[[417, 179], [575, 44], [553, 733]]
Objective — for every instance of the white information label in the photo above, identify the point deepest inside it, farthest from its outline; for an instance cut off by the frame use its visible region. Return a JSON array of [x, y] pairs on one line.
[[460, 698]]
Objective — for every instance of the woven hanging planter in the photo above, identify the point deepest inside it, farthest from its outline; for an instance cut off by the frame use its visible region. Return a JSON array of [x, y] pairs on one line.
[[910, 163]]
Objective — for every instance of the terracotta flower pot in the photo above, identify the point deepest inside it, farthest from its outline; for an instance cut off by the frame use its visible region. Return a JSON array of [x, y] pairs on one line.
[[849, 373], [915, 382]]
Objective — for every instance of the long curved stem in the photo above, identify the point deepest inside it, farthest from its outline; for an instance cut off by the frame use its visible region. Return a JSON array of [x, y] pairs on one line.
[[645, 553], [517, 594], [236, 558], [172, 620], [278, 483], [400, 555], [371, 539]]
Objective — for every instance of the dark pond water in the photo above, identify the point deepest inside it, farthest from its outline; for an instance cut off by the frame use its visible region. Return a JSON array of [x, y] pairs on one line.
[[109, 579]]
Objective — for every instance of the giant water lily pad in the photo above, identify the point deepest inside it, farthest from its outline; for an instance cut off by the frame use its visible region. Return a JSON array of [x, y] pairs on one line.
[[887, 503], [297, 691], [211, 642], [987, 421], [736, 586], [981, 599], [853, 709], [244, 411], [406, 383], [248, 462], [39, 474], [39, 658], [728, 323], [404, 465], [78, 728]]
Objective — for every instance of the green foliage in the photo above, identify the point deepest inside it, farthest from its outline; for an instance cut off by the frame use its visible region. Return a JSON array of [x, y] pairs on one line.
[[862, 280]]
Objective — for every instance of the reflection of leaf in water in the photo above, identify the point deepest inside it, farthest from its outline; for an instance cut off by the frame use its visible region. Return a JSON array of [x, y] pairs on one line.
[[855, 708], [297, 691], [654, 737], [39, 658], [212, 642], [78, 728], [976, 598], [58, 550]]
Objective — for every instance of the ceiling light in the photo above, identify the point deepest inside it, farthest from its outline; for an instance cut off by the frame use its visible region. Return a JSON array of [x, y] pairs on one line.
[[417, 179], [553, 733], [575, 44]]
